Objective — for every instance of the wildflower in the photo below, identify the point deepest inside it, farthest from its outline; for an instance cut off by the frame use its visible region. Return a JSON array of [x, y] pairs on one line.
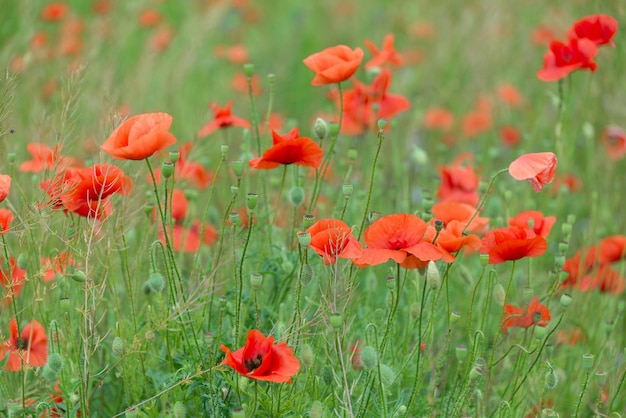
[[599, 29], [538, 168], [510, 135], [614, 140], [540, 225], [54, 11], [236, 54], [5, 186], [140, 136], [438, 118], [459, 182], [387, 54], [30, 347], [563, 59], [290, 148], [509, 95], [399, 237], [185, 170], [452, 238], [189, 239], [149, 18], [6, 217], [56, 266], [448, 211], [535, 313], [332, 239], [512, 243], [86, 191], [46, 158], [334, 64], [261, 359], [222, 118], [11, 280]]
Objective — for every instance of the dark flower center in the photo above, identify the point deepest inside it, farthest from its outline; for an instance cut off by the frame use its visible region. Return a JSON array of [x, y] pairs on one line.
[[253, 363], [22, 343]]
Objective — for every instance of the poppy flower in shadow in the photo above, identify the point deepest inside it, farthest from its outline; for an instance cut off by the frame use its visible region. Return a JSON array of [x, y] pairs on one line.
[[332, 239], [512, 243], [334, 64], [534, 314], [261, 359], [222, 118], [459, 182], [29, 347], [599, 29], [538, 168], [290, 148], [398, 237], [140, 136]]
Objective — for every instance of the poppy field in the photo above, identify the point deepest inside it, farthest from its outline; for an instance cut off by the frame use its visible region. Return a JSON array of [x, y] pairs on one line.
[[237, 208]]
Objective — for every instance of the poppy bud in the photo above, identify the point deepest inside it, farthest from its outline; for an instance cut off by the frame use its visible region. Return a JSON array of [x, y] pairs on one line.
[[55, 362], [508, 195], [307, 274], [224, 150], [308, 220], [433, 278], [551, 379], [167, 169], [320, 127], [22, 261], [336, 321], [352, 155], [333, 129], [461, 353], [540, 331], [414, 310], [571, 218], [587, 361], [296, 196], [328, 375], [237, 168], [347, 190], [78, 276], [566, 300], [307, 356], [316, 410], [373, 215], [256, 280], [248, 70], [11, 157], [287, 266], [179, 410], [251, 201], [369, 357], [419, 156], [566, 229], [382, 124], [304, 239], [156, 282], [499, 294], [427, 201], [563, 247], [234, 218], [174, 156], [387, 375], [117, 346]]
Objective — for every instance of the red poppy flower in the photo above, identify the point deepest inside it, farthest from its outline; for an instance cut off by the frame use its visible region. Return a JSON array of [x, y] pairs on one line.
[[534, 314], [149, 18], [5, 186], [599, 29], [459, 182], [261, 359], [86, 191], [46, 158], [387, 54], [140, 136], [452, 238], [569, 181], [6, 217], [448, 211], [399, 237], [161, 39], [56, 266], [189, 239], [512, 243], [332, 239], [30, 347], [612, 249], [185, 170], [510, 135], [562, 59], [538, 168], [222, 118], [614, 141], [478, 120], [334, 64], [179, 207], [290, 148], [236, 54], [11, 281], [540, 225], [438, 118], [54, 11], [239, 83], [509, 95], [603, 278]]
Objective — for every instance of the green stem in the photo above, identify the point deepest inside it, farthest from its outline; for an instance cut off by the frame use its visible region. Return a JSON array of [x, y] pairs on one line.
[[369, 194]]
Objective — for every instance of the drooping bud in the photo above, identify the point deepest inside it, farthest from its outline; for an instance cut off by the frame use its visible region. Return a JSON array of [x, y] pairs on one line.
[[369, 357], [307, 356], [55, 362], [551, 379], [156, 282], [117, 346]]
